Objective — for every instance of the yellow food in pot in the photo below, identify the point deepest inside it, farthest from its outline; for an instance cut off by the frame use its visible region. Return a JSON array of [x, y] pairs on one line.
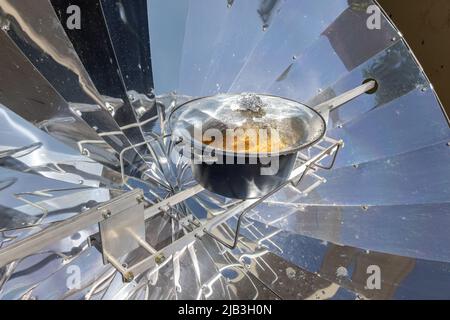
[[249, 141]]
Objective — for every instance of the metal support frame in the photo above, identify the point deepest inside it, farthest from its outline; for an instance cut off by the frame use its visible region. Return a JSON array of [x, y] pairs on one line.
[[126, 212], [60, 230], [129, 205], [158, 258]]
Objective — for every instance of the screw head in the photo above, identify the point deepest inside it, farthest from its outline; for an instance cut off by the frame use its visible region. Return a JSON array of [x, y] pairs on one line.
[[106, 213], [140, 198], [128, 277], [5, 25], [160, 258]]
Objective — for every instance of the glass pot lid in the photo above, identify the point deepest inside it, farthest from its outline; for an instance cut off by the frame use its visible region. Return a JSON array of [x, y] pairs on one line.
[[257, 122]]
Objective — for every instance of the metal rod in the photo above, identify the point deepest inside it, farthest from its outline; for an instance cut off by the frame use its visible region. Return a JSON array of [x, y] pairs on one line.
[[59, 230], [241, 216], [173, 200], [342, 99], [116, 263], [127, 275], [143, 243], [122, 169], [328, 152]]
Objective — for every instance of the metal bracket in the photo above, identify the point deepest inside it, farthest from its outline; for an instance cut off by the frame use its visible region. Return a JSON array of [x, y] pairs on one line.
[[121, 227], [59, 230], [122, 231]]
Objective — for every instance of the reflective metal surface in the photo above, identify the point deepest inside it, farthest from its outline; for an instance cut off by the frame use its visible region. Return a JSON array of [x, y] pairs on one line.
[[43, 41], [101, 63], [166, 27], [83, 125], [28, 149], [36, 100]]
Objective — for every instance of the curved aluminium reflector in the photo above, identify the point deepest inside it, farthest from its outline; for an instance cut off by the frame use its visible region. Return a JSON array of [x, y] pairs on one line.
[[385, 201]]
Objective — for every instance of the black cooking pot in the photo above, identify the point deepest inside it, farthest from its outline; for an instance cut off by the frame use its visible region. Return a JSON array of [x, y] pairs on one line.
[[241, 173]]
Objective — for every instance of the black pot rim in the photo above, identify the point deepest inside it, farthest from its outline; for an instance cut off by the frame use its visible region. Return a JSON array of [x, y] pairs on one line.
[[219, 152]]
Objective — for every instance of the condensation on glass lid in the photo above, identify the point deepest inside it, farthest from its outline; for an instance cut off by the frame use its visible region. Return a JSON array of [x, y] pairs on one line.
[[296, 124]]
